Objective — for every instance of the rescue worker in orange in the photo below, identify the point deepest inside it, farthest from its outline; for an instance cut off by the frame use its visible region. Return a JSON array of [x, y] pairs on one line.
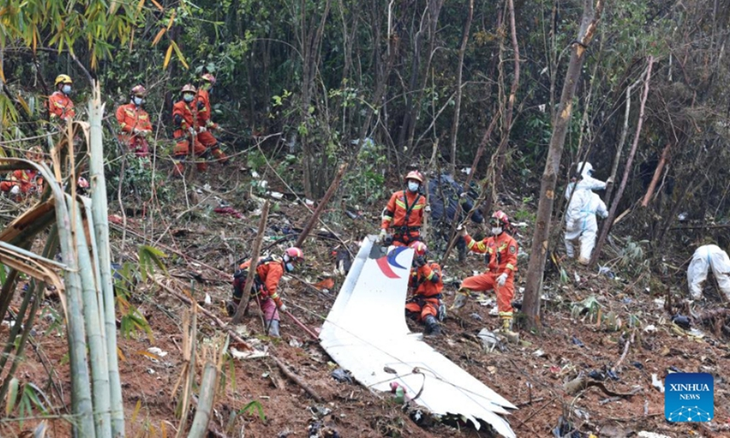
[[404, 212], [500, 251], [60, 105], [266, 283], [135, 123], [427, 284], [202, 101], [184, 118], [22, 182]]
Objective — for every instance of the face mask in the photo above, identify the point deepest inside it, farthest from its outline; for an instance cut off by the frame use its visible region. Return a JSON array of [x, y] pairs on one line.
[[496, 231], [413, 186], [188, 97], [138, 101], [289, 267], [66, 89]]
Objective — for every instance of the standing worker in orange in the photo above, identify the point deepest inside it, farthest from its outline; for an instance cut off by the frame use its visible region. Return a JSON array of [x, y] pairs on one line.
[[501, 257], [60, 105], [425, 303], [269, 271], [184, 118], [404, 212], [205, 123], [135, 123]]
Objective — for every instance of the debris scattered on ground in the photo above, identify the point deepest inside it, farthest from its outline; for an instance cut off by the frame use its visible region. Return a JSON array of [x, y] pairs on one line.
[[342, 375]]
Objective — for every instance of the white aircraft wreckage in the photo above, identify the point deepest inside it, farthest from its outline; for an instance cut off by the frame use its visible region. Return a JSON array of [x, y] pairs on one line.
[[366, 333]]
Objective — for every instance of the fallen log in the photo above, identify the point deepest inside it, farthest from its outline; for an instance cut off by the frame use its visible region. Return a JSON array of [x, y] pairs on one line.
[[294, 378]]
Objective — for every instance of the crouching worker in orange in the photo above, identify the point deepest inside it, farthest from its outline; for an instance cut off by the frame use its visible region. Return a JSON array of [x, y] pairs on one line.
[[20, 183], [202, 102], [427, 284], [269, 271], [135, 123], [500, 251], [184, 118], [404, 213]]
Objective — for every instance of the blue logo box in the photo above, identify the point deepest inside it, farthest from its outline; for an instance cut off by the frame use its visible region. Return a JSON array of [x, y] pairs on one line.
[[689, 397]]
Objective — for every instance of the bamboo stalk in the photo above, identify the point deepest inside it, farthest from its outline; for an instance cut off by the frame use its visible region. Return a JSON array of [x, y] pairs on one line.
[[94, 331], [103, 254], [238, 317], [208, 384]]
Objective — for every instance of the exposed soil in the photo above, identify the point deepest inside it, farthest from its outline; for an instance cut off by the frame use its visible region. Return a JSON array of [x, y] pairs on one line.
[[530, 374]]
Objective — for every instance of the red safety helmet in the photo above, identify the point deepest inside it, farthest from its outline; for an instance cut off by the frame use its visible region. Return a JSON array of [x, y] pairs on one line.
[[501, 218], [419, 247], [208, 78], [188, 88], [138, 91], [415, 175], [294, 254]]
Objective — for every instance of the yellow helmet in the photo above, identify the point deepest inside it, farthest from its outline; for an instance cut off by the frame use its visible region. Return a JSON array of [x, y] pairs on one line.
[[63, 79]]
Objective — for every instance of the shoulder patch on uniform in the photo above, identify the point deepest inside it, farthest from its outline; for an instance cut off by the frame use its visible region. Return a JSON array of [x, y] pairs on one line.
[[512, 249]]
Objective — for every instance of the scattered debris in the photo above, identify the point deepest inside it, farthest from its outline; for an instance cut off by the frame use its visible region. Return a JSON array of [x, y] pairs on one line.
[[645, 434], [651, 328], [476, 316], [539, 353], [229, 211], [657, 383], [489, 340], [342, 375], [682, 321], [577, 342]]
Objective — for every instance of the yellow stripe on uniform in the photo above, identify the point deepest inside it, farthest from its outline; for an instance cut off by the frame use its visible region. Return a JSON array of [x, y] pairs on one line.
[[510, 266]]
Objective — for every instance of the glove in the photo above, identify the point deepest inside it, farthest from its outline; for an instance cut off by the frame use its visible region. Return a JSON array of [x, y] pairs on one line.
[[202, 129], [381, 236], [570, 225], [609, 180], [282, 308], [212, 125], [420, 261], [502, 279], [136, 131], [462, 230], [603, 215], [146, 132], [427, 209], [15, 190], [192, 132]]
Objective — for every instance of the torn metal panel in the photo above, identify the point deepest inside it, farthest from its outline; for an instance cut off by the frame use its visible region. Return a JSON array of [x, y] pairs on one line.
[[366, 333]]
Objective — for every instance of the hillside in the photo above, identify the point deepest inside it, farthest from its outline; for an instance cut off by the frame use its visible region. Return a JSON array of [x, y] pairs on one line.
[[634, 339]]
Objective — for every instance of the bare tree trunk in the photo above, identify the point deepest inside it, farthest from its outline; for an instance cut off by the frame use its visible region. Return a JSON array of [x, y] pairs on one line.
[[243, 304], [619, 148], [627, 171], [318, 211], [498, 158], [657, 175], [538, 252], [459, 80]]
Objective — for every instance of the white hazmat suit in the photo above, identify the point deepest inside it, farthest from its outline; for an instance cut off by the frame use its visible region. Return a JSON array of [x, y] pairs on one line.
[[581, 223], [587, 182], [704, 258]]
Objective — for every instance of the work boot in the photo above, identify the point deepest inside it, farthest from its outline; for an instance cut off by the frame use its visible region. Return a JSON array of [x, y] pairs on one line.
[[231, 307], [583, 261], [432, 326], [273, 326], [219, 155], [507, 330]]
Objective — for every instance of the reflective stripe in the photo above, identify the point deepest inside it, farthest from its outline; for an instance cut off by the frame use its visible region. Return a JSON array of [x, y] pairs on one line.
[[430, 276], [418, 206], [505, 315], [275, 296], [510, 266], [471, 243], [400, 203], [388, 218]]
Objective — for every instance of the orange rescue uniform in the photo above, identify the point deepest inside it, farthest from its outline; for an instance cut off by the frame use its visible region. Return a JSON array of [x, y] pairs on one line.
[[131, 117], [404, 213], [268, 274], [60, 106], [428, 285], [202, 100], [183, 118], [501, 254], [24, 179]]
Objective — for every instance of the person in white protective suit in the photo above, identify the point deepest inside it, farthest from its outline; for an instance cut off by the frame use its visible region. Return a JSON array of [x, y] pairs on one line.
[[580, 223], [704, 258], [586, 181]]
